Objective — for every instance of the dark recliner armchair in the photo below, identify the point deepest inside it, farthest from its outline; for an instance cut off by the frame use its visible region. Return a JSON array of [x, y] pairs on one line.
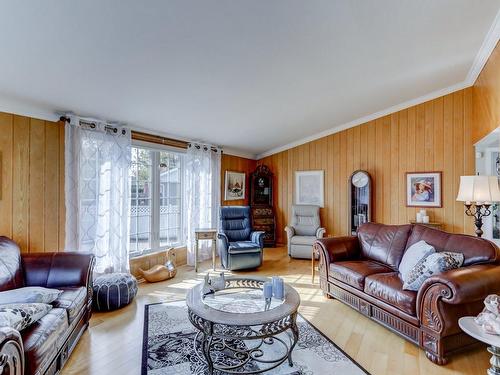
[[239, 246]]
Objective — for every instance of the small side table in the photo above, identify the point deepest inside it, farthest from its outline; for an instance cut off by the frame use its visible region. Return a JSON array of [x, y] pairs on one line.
[[314, 253], [205, 234], [470, 327]]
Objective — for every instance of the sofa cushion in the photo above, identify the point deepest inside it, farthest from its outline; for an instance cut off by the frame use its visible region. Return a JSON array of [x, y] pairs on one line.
[[413, 255], [353, 272], [11, 273], [29, 294], [384, 243], [303, 240], [433, 264], [475, 250], [21, 315], [72, 300], [43, 339], [388, 287]]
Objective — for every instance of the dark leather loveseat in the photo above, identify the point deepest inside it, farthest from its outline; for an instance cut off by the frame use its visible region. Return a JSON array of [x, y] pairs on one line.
[[44, 347], [362, 271]]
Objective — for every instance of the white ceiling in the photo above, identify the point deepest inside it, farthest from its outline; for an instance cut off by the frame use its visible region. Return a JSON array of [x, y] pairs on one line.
[[250, 75]]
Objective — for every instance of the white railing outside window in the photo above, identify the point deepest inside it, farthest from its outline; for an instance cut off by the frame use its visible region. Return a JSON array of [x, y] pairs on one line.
[[156, 200]]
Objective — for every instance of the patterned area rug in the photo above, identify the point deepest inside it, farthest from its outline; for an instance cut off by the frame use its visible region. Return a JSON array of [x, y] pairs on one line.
[[168, 348]]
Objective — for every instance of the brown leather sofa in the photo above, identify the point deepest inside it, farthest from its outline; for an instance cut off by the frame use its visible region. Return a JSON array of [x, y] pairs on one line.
[[362, 271], [44, 347]]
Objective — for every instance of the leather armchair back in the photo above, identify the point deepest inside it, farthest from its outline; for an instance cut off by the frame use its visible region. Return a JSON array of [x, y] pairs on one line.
[[476, 250], [384, 243], [235, 222], [305, 219], [11, 273]]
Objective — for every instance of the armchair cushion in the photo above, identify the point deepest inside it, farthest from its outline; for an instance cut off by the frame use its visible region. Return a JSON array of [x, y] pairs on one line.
[[243, 246], [303, 240], [235, 223], [305, 219]]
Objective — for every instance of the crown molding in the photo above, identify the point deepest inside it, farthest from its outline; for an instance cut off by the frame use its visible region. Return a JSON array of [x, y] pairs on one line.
[[18, 108], [371, 117], [484, 53]]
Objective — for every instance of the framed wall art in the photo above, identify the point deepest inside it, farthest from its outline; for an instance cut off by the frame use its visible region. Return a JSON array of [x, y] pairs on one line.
[[234, 187], [423, 189], [309, 187]]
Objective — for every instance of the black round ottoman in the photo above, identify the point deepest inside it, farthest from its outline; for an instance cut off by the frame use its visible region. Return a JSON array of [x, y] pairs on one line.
[[113, 290]]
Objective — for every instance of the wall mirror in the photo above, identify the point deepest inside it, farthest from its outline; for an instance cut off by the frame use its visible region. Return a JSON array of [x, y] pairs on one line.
[[488, 163]]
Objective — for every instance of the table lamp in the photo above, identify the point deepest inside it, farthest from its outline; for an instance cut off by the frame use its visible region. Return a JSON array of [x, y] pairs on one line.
[[478, 193]]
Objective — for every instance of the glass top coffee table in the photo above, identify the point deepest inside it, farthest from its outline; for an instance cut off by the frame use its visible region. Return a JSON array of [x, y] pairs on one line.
[[238, 328]]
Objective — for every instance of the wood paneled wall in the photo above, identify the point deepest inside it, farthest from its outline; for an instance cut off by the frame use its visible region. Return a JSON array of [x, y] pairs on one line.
[[486, 97], [32, 182], [236, 164], [433, 136]]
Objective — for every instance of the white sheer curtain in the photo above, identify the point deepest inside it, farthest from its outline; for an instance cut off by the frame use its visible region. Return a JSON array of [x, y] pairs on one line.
[[202, 194], [97, 160]]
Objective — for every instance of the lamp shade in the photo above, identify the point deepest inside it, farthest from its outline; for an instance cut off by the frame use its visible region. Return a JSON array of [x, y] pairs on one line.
[[482, 189]]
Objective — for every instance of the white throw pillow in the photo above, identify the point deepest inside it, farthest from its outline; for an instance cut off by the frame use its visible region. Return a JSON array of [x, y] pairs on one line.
[[21, 315], [413, 255], [433, 264], [29, 294]]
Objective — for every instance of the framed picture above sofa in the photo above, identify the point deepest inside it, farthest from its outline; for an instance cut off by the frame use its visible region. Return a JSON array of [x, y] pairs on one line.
[[309, 187], [423, 189]]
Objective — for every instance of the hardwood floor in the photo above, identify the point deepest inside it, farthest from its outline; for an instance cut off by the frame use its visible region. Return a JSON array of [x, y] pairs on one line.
[[113, 343]]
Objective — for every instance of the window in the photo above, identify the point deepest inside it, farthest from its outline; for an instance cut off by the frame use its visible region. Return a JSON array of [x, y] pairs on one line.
[[155, 199]]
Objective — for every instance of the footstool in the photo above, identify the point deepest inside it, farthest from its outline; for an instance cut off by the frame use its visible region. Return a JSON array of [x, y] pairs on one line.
[[113, 291]]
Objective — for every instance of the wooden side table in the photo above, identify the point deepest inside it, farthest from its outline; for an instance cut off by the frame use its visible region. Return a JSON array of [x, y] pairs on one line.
[[470, 327], [205, 234], [314, 253]]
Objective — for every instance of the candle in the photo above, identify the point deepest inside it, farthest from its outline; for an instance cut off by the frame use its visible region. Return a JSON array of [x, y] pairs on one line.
[[278, 287], [419, 217], [423, 212], [425, 219], [268, 290]]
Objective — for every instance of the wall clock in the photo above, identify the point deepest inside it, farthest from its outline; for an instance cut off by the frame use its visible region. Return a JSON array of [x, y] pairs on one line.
[[360, 200]]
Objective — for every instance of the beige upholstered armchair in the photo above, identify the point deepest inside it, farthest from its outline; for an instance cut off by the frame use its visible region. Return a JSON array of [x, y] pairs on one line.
[[303, 229]]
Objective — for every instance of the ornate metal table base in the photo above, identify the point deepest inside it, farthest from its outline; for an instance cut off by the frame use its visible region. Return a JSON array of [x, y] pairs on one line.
[[239, 335], [495, 360], [233, 342]]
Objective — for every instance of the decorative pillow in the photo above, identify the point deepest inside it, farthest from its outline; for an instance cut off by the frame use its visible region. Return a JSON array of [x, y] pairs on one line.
[[29, 294], [432, 264], [22, 315], [413, 255]]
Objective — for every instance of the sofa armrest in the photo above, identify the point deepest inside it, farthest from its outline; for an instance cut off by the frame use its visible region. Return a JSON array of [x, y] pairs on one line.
[[338, 248], [258, 238], [54, 270], [11, 352], [320, 233], [466, 284]]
